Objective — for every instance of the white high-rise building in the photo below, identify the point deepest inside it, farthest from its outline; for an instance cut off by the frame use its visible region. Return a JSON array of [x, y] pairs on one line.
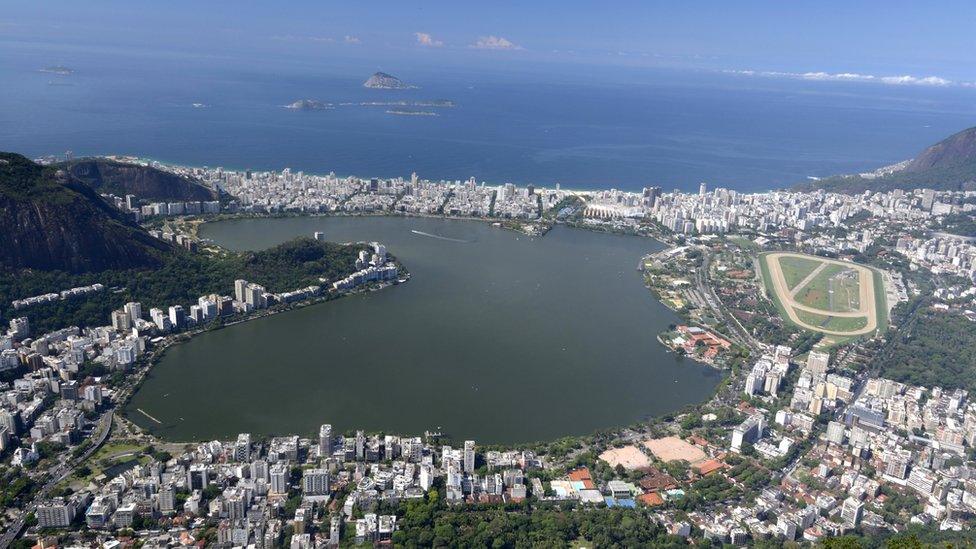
[[19, 328], [254, 296], [177, 317], [160, 319], [360, 445], [426, 476], [380, 251], [851, 511], [279, 478], [325, 440], [239, 287], [469, 456], [259, 470], [208, 307], [242, 449], [134, 310], [167, 499], [121, 321], [57, 513], [835, 432], [93, 393], [818, 362], [315, 482]]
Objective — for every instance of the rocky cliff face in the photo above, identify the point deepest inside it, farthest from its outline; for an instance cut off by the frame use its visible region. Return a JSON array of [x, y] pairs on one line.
[[120, 179], [52, 221]]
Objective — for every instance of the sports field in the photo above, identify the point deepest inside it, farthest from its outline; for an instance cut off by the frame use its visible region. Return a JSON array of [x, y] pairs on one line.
[[825, 295]]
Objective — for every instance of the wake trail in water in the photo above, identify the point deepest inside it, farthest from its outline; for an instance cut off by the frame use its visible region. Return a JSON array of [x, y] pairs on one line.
[[439, 237]]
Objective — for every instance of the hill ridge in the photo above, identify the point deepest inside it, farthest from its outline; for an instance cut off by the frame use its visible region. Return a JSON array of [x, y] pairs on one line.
[[52, 221]]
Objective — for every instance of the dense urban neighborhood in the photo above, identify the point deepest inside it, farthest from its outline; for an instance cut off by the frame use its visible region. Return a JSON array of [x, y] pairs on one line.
[[842, 411]]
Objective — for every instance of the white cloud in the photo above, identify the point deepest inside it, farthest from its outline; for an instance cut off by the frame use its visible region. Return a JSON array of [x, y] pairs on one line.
[[495, 43], [352, 40], [902, 80], [425, 39], [925, 81]]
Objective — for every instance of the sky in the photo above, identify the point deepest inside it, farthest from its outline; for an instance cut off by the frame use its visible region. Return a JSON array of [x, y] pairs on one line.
[[870, 40]]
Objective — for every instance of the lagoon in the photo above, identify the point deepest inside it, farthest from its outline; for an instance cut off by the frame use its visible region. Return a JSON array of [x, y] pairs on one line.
[[497, 337]]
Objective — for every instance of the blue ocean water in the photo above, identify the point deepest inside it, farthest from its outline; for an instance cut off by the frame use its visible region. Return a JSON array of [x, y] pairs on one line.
[[576, 125]]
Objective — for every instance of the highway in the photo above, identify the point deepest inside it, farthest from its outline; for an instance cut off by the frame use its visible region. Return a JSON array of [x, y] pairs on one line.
[[736, 331], [58, 474]]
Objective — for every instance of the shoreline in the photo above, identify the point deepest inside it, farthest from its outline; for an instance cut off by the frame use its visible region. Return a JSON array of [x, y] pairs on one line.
[[182, 338], [159, 350], [167, 164], [654, 234]]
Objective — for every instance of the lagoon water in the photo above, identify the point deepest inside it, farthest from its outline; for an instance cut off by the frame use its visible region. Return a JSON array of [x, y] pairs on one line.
[[497, 337]]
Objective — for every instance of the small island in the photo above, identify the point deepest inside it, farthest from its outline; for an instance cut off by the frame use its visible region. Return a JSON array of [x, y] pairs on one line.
[[58, 69], [406, 112], [309, 105], [383, 81], [439, 103]]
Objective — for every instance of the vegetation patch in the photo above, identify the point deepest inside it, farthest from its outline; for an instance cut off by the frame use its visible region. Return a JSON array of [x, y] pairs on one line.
[[934, 348], [182, 278], [795, 269]]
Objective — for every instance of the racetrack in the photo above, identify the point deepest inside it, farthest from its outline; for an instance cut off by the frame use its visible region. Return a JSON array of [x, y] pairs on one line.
[[867, 306]]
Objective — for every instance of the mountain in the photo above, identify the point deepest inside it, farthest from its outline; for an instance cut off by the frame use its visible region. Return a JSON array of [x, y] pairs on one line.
[[383, 81], [956, 150], [50, 220], [949, 165], [119, 178]]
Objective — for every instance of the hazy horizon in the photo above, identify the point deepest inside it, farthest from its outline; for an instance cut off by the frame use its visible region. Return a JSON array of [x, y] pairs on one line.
[[879, 39]]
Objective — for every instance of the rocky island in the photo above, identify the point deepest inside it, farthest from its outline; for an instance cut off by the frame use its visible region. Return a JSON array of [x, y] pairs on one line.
[[383, 81], [309, 105]]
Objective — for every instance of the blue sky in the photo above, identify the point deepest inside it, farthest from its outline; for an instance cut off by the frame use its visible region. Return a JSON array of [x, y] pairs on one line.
[[890, 38]]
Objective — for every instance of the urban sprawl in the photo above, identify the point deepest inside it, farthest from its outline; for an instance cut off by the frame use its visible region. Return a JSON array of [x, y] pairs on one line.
[[804, 441]]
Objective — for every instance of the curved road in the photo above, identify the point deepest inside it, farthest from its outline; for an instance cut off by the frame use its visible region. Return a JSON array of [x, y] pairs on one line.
[[57, 475]]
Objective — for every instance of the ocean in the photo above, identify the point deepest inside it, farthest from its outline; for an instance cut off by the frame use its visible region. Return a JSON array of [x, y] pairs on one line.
[[576, 125]]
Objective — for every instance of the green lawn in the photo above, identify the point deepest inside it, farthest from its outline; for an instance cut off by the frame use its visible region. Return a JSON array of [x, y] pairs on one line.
[[844, 283], [114, 448], [112, 454], [812, 319], [846, 324], [795, 269], [880, 301], [744, 243]]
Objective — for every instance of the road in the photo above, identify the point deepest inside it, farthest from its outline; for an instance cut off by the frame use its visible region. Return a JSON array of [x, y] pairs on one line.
[[737, 332], [58, 474]]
